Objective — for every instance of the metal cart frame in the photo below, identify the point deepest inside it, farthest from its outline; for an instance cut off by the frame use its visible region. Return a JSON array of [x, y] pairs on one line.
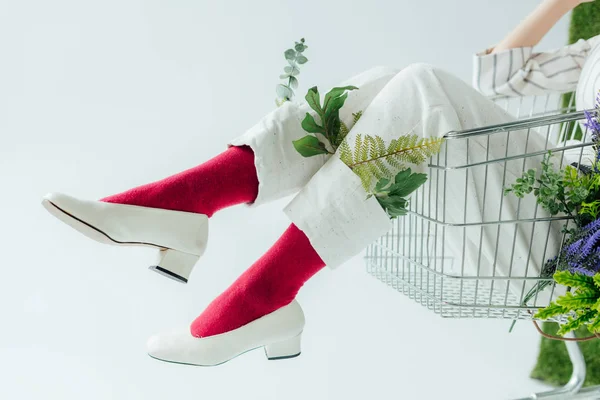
[[412, 258]]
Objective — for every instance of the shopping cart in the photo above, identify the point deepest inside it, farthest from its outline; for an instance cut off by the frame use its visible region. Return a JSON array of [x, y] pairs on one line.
[[414, 257]]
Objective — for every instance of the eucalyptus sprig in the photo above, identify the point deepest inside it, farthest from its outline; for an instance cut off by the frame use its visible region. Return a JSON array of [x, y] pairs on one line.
[[295, 58]]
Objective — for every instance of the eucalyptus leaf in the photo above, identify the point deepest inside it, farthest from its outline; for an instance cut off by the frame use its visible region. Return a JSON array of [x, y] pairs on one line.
[[284, 91], [295, 71], [300, 47], [293, 82], [309, 146], [284, 76], [287, 69], [301, 60], [290, 54]]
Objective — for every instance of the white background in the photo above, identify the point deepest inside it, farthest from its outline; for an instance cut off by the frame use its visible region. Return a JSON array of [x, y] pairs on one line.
[[97, 97]]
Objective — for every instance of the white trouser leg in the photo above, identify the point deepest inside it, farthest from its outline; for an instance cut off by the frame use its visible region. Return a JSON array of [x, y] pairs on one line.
[[281, 170], [333, 211]]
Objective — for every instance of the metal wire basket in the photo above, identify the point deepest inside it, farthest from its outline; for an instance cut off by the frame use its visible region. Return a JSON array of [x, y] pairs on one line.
[[467, 251]]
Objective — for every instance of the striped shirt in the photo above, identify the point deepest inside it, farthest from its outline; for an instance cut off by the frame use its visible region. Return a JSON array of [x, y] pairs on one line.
[[523, 72]]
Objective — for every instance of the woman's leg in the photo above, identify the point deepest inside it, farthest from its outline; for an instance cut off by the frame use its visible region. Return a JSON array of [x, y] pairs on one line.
[[223, 181], [269, 284], [262, 164], [332, 218]]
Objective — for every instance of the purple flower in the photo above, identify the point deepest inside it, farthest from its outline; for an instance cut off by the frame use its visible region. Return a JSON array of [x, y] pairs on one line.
[[592, 124], [583, 271], [583, 253]]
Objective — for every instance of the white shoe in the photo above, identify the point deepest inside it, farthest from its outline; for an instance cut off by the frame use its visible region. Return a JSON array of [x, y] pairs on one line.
[[278, 332], [180, 236]]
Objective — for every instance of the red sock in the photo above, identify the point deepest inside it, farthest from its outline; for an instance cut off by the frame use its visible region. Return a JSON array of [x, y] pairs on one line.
[[223, 181], [269, 284]]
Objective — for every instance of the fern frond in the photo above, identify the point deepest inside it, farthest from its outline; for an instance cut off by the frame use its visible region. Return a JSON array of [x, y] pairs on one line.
[[372, 156], [578, 322], [406, 149], [345, 152], [343, 131], [356, 116]]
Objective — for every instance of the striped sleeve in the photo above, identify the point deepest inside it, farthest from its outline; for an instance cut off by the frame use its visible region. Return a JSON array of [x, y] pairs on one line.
[[523, 72]]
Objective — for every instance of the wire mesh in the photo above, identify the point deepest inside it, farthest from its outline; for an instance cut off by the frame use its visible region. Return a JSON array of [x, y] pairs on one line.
[[467, 250]]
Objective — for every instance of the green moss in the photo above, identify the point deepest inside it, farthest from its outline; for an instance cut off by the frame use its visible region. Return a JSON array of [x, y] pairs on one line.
[[585, 23], [553, 364]]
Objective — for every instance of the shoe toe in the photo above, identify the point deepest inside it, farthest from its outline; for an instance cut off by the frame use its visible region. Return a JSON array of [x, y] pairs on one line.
[[176, 346]]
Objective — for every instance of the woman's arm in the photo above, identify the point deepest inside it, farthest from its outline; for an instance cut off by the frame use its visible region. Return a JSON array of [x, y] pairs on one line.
[[531, 30]]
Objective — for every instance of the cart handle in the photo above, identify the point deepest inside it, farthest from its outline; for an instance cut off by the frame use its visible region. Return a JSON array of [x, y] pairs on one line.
[[526, 123]]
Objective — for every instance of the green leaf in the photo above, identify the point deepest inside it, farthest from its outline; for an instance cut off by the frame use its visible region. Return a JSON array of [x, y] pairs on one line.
[[301, 60], [596, 279], [394, 206], [407, 182], [336, 92], [287, 69], [309, 146], [577, 301], [314, 100], [284, 76], [334, 105], [294, 82], [567, 278], [295, 71], [382, 184], [310, 125], [300, 47], [576, 323], [594, 326], [552, 310], [290, 54]]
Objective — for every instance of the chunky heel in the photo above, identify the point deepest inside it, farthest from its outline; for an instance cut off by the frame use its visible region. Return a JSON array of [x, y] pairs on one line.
[[175, 264], [287, 349]]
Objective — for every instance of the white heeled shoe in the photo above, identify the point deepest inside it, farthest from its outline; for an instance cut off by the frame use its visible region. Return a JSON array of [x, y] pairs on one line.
[[180, 236], [278, 333]]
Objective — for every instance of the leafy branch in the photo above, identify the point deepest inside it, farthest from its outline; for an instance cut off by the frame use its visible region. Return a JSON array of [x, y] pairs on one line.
[[567, 191], [295, 58], [329, 127]]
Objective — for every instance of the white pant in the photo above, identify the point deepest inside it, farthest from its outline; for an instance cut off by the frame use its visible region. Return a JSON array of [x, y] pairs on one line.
[[331, 207]]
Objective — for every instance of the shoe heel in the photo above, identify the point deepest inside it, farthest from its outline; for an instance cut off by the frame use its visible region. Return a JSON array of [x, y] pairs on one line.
[[287, 349], [175, 264]]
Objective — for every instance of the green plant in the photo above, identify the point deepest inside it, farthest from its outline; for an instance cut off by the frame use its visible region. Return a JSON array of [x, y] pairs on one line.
[[329, 127], [372, 159], [392, 194], [556, 191], [295, 58], [581, 305], [592, 210]]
